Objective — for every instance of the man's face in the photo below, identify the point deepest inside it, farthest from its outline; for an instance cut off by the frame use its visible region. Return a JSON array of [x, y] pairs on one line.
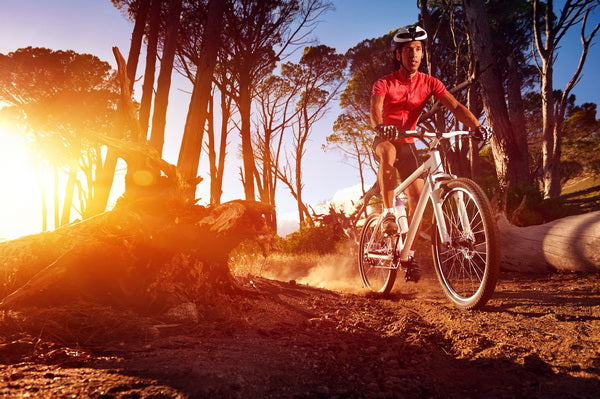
[[410, 55]]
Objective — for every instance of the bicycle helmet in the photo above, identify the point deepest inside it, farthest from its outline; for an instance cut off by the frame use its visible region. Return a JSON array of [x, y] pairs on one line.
[[409, 33]]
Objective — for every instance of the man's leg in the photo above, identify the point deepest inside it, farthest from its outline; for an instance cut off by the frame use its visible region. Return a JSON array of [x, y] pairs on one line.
[[409, 162], [414, 192], [386, 176]]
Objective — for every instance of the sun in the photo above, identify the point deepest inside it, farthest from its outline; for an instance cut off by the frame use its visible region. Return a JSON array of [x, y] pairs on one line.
[[20, 199]]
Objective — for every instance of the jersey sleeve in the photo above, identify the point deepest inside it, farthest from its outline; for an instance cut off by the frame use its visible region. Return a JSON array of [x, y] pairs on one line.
[[437, 88], [380, 88]]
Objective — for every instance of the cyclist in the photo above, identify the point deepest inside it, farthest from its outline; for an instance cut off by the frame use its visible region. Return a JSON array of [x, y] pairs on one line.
[[397, 100]]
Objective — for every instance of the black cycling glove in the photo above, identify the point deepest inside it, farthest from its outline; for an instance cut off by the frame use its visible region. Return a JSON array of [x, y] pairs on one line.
[[387, 132], [482, 133]]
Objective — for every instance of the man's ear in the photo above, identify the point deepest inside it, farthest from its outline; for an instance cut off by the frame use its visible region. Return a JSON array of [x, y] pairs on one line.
[[398, 55]]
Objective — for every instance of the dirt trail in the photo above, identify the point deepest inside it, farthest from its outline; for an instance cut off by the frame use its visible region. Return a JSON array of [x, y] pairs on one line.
[[538, 337]]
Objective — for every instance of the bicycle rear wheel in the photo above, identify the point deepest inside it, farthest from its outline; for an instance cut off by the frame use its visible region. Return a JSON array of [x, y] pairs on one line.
[[378, 274], [467, 267]]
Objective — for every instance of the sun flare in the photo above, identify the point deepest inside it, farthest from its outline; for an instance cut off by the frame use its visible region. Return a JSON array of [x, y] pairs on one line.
[[20, 207]]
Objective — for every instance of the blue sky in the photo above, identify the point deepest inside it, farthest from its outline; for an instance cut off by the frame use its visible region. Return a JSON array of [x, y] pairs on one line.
[[94, 26]]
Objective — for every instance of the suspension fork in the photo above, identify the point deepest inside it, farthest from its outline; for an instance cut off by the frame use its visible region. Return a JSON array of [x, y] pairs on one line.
[[463, 215], [436, 180], [436, 202]]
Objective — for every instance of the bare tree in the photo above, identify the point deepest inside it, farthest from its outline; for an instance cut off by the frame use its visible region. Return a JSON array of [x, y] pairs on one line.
[[547, 39], [259, 34], [320, 76], [275, 102], [353, 139]]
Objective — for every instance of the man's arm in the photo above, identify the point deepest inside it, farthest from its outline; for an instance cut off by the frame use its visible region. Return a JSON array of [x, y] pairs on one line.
[[461, 112], [376, 110]]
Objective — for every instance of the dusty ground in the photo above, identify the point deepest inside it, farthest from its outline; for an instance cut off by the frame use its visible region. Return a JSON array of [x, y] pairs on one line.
[[538, 337]]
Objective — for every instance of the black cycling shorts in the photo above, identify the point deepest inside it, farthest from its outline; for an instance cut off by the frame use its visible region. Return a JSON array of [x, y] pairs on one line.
[[407, 158]]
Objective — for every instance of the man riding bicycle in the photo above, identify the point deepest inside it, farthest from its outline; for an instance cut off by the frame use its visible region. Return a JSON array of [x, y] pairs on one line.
[[397, 100]]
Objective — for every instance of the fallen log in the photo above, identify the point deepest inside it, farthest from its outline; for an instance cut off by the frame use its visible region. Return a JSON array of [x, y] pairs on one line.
[[568, 244], [144, 257]]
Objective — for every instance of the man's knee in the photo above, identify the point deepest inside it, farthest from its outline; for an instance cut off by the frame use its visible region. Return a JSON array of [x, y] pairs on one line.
[[386, 153]]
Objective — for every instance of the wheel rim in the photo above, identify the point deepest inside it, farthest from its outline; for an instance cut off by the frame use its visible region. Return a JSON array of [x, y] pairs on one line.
[[375, 272], [462, 262]]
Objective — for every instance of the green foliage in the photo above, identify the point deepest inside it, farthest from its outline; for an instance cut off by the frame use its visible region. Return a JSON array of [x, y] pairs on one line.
[[490, 184], [321, 239], [581, 145], [58, 95]]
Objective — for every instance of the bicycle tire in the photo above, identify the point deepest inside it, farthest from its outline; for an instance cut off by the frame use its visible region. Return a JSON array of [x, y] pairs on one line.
[[468, 267], [377, 275]]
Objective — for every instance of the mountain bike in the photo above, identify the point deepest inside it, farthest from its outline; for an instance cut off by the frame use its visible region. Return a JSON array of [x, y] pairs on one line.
[[464, 244]]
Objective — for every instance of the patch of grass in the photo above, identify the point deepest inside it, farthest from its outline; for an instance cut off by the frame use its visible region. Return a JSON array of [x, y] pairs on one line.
[[580, 184]]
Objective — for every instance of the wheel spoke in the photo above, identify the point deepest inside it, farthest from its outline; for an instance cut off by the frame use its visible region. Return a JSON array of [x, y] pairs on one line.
[[462, 263], [377, 274]]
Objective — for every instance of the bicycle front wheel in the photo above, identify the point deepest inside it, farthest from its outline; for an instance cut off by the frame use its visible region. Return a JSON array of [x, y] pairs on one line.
[[467, 266], [375, 258]]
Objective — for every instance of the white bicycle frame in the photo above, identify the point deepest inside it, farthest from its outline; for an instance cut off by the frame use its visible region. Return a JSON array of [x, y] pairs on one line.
[[435, 176]]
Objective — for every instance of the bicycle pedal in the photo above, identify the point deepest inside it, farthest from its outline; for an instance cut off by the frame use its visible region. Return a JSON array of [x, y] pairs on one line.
[[412, 276], [412, 271]]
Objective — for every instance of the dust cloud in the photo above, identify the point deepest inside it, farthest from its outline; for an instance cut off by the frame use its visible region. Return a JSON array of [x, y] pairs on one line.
[[337, 272]]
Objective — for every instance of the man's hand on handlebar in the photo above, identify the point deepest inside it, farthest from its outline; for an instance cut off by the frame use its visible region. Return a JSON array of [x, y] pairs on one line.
[[387, 132], [482, 133]]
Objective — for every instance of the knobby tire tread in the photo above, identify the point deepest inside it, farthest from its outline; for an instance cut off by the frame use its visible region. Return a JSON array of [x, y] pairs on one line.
[[492, 266]]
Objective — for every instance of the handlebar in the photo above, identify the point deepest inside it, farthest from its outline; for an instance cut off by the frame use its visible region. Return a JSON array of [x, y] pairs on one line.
[[390, 132], [439, 135]]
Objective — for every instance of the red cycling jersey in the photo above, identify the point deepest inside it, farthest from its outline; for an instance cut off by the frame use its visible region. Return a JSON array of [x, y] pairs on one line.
[[404, 98]]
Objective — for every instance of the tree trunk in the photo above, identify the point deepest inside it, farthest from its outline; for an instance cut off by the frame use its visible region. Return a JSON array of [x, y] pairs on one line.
[[44, 205], [191, 146], [103, 184], [150, 70], [69, 190], [516, 116], [56, 200], [567, 244], [303, 132], [301, 206], [216, 180], [264, 178], [511, 166], [516, 112], [136, 40], [161, 101], [548, 123], [245, 103], [211, 146]]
